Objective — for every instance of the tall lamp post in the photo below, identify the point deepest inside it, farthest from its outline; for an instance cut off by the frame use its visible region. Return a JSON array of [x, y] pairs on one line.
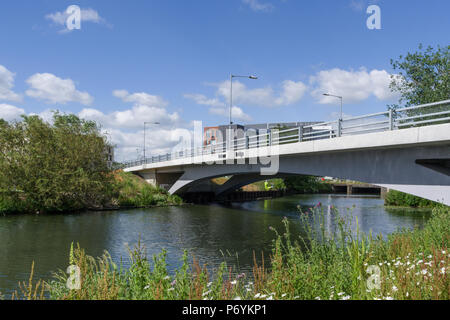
[[145, 123], [231, 91], [332, 95]]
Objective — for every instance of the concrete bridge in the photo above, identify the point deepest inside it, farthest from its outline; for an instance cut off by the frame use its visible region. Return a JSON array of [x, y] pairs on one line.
[[407, 150]]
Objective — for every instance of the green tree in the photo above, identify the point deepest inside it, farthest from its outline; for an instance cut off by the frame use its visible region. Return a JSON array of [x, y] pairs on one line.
[[422, 77], [53, 167]]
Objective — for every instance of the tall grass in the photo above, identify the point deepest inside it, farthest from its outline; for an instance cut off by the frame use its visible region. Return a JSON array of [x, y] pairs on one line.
[[331, 262]]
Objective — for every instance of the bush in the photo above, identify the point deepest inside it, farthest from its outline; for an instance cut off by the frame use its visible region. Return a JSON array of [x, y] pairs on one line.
[[397, 198]]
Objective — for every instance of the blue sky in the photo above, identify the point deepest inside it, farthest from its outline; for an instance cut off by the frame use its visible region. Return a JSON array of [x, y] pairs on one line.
[[169, 60]]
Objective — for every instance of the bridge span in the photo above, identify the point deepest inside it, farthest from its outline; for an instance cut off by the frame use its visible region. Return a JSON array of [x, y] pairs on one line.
[[406, 149]]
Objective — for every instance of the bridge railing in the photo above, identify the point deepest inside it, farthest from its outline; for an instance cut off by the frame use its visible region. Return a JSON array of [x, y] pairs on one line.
[[393, 119]]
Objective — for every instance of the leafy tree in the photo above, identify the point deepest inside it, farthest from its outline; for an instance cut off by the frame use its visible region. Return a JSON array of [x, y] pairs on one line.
[[422, 77], [53, 167]]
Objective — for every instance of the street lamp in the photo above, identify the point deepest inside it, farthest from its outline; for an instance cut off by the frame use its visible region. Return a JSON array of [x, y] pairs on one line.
[[332, 95], [145, 123], [231, 91]]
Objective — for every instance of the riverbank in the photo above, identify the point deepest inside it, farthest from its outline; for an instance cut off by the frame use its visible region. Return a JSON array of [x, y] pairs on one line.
[[127, 191], [399, 199], [329, 264]]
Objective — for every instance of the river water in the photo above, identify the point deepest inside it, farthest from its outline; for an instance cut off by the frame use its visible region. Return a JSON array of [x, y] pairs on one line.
[[212, 233]]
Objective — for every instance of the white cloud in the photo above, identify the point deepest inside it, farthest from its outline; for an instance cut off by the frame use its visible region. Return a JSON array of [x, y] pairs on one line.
[[87, 15], [125, 127], [10, 113], [50, 88], [6, 85], [257, 5], [203, 100], [140, 98], [291, 92], [236, 113], [354, 86]]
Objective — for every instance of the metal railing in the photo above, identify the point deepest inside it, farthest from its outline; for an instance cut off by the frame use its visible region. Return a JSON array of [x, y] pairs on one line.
[[393, 119]]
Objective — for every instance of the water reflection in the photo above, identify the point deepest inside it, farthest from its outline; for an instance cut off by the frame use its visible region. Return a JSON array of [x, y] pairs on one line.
[[212, 233]]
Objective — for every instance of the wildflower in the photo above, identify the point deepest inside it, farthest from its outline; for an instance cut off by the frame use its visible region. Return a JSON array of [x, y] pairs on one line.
[[341, 293], [443, 270], [171, 289], [257, 295], [206, 293], [174, 282], [345, 298], [147, 287], [317, 298], [248, 289], [424, 272], [263, 296], [237, 298], [284, 295], [209, 284], [242, 275], [388, 298], [233, 282], [270, 298], [394, 289], [296, 297], [166, 278]]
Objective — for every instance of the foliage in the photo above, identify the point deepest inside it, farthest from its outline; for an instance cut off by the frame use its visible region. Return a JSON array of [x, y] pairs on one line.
[[52, 167], [133, 191], [397, 198], [423, 76], [329, 263], [306, 184]]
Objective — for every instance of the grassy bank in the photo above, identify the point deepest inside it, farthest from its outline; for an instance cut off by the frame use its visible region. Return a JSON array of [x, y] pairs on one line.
[[396, 198], [341, 265], [294, 184], [126, 191], [133, 191]]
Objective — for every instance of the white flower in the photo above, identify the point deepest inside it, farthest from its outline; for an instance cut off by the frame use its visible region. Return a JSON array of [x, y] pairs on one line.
[[394, 289], [345, 298], [341, 293], [237, 298], [284, 295], [209, 284], [206, 293], [233, 282], [443, 270], [270, 298], [424, 271], [170, 289], [147, 287], [258, 295], [317, 298], [388, 298]]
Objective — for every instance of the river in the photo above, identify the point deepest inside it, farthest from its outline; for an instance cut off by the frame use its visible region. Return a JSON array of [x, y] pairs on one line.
[[212, 233]]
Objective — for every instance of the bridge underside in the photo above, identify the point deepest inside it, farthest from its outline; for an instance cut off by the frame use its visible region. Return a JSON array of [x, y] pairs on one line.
[[423, 171]]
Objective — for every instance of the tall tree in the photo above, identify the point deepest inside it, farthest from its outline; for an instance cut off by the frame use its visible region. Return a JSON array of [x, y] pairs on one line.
[[53, 167], [422, 77]]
